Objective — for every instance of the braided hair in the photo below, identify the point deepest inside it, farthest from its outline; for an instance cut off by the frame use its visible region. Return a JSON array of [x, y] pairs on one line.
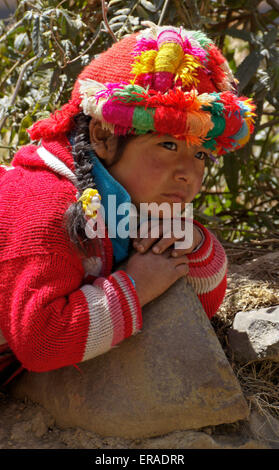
[[74, 217], [81, 150]]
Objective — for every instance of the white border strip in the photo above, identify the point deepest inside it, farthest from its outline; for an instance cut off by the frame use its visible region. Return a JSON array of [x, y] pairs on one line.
[[55, 164]]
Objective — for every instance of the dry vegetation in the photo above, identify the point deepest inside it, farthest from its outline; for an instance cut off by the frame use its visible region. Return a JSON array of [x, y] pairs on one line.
[[253, 283]]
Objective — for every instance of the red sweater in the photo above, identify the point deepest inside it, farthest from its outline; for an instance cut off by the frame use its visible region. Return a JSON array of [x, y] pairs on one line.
[[57, 308]]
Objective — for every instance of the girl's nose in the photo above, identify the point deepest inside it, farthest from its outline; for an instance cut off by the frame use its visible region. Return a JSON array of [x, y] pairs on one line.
[[182, 176], [187, 169], [184, 170]]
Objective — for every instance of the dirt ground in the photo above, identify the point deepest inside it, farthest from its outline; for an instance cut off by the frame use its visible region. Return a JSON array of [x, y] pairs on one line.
[[253, 282]]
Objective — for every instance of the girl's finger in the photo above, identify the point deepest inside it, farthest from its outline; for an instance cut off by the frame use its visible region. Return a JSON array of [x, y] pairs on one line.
[[147, 235], [182, 269], [177, 253], [164, 243], [143, 244], [182, 265]]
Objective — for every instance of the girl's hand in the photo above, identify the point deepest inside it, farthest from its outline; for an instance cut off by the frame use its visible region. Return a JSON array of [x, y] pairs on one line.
[[189, 235], [154, 274]]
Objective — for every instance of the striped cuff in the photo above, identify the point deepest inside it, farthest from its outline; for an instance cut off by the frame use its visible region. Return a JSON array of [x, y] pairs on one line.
[[129, 301], [207, 266], [201, 242], [114, 313], [203, 254]]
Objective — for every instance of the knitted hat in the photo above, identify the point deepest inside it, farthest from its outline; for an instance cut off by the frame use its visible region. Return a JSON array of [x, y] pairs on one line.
[[165, 80]]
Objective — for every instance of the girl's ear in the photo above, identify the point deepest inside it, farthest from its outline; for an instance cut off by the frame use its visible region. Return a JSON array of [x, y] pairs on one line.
[[103, 142]]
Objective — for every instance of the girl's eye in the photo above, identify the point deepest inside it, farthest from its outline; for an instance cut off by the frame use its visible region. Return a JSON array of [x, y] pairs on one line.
[[201, 155], [169, 145]]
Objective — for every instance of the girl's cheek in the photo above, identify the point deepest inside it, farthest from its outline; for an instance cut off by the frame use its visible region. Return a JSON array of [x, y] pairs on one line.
[[155, 167]]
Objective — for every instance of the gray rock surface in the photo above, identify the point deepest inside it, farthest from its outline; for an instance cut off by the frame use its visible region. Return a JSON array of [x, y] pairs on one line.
[[255, 335], [265, 428], [171, 376]]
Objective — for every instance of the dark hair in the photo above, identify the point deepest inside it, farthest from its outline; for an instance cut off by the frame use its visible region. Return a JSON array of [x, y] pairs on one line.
[[75, 220]]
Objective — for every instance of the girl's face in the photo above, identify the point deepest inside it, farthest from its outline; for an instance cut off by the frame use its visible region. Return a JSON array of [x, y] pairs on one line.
[[159, 169]]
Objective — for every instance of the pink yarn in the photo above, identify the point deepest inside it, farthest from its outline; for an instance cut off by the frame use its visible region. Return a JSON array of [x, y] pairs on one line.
[[197, 52], [162, 81], [118, 113], [110, 88], [145, 44], [169, 36], [145, 79]]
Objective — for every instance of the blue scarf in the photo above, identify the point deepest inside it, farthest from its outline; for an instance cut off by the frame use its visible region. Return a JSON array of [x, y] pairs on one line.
[[108, 186]]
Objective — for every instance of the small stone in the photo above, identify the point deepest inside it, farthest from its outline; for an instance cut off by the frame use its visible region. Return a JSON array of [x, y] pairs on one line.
[[255, 335], [182, 440], [207, 430], [39, 426], [265, 428], [19, 430]]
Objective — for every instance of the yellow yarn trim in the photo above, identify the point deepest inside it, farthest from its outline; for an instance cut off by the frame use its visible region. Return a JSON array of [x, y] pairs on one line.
[[144, 63], [169, 57], [244, 140], [249, 102], [90, 199], [187, 71]]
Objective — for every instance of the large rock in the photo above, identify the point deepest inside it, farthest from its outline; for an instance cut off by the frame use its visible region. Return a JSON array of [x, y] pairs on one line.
[[172, 376], [255, 335]]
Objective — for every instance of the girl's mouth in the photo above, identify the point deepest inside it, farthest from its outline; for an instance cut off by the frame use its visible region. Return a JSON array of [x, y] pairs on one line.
[[175, 197]]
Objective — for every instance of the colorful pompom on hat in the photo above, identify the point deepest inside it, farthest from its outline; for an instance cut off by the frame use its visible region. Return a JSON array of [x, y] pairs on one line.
[[164, 80]]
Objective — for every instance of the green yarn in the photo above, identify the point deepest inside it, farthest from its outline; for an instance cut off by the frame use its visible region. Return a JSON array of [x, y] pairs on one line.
[[209, 144], [219, 126], [215, 107], [129, 94], [143, 120], [201, 38]]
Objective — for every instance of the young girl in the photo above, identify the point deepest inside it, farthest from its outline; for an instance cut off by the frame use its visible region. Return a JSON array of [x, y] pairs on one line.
[[142, 118]]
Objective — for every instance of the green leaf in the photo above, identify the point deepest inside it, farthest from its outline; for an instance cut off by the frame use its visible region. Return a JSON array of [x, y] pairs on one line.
[[231, 172], [68, 48], [114, 2], [270, 38], [248, 68], [69, 27], [54, 82], [142, 12], [148, 6], [26, 122], [240, 34], [21, 40], [37, 36]]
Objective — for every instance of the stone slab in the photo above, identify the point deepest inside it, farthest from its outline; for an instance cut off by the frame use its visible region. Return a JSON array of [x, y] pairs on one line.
[[171, 376], [255, 335]]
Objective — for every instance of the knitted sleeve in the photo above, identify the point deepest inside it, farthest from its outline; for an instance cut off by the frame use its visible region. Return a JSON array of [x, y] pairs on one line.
[[54, 322], [208, 272]]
